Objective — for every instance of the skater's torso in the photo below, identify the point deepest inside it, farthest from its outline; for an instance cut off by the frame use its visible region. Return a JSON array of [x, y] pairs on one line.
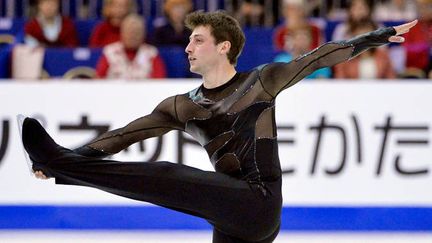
[[235, 124]]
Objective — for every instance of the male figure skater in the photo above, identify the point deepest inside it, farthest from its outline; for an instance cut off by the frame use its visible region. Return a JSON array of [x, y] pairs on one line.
[[231, 115]]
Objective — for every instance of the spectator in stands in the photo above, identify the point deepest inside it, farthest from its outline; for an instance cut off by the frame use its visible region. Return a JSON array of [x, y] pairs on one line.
[[108, 31], [131, 58], [298, 43], [296, 17], [371, 64], [174, 32], [395, 10], [358, 12], [419, 42], [249, 13], [334, 10], [49, 28]]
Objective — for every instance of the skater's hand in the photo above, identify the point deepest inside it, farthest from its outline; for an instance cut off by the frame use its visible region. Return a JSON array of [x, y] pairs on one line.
[[40, 175], [400, 30]]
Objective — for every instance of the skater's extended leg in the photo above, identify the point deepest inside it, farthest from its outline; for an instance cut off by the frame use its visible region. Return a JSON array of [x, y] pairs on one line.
[[233, 206]]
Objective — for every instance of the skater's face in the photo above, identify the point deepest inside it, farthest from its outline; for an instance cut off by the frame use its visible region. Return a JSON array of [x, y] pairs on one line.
[[203, 52]]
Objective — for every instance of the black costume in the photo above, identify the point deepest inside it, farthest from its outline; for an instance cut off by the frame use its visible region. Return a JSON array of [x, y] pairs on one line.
[[234, 122]]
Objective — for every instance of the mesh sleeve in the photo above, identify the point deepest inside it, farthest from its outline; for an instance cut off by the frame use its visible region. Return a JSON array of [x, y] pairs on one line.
[[160, 121], [279, 76]]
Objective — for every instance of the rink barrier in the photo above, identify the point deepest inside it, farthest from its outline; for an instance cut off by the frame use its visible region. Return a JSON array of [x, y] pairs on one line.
[[49, 217]]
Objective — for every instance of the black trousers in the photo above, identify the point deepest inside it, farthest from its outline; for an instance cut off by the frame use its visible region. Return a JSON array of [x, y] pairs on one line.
[[238, 210]]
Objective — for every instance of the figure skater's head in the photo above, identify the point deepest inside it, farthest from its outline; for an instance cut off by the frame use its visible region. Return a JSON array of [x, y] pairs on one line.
[[223, 29]]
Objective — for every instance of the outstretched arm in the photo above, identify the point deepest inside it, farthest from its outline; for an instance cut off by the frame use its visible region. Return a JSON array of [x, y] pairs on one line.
[[276, 77], [160, 121]]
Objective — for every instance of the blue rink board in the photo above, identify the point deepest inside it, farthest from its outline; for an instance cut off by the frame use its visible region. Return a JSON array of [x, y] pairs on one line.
[[414, 219]]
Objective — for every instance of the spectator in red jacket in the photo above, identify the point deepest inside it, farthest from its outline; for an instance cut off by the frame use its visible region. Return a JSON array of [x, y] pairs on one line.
[[49, 28], [108, 31], [131, 58], [295, 14], [418, 42]]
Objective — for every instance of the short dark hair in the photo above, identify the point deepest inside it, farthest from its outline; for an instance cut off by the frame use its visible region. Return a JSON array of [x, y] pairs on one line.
[[223, 28]]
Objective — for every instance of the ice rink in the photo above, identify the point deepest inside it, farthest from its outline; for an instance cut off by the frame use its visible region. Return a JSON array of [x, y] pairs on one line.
[[200, 237]]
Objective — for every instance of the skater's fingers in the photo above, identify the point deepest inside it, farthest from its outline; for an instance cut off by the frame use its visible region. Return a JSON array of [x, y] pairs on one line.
[[40, 175], [404, 28], [397, 39], [400, 30]]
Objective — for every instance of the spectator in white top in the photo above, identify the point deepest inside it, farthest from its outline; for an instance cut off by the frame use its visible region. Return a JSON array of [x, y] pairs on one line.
[[395, 10], [131, 58]]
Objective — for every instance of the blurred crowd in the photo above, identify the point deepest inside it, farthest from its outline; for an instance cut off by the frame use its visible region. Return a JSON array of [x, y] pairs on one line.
[[128, 44]]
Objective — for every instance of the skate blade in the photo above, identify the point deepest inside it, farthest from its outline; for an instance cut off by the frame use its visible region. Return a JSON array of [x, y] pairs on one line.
[[20, 120]]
